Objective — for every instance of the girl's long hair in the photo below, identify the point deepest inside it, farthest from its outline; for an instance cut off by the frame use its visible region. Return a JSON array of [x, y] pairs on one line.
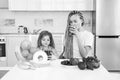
[[68, 40], [41, 35]]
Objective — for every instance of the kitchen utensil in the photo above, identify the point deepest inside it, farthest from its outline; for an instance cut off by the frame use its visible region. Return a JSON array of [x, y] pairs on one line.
[[25, 30]]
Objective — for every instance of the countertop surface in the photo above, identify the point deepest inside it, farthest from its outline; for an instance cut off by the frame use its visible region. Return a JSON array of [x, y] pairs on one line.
[[56, 71], [22, 34], [17, 34]]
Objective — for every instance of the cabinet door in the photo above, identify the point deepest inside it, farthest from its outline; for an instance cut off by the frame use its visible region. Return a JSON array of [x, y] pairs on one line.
[[78, 4], [51, 5], [108, 51], [17, 4], [24, 5], [34, 5], [3, 3], [12, 42], [58, 40], [66, 5], [3, 63]]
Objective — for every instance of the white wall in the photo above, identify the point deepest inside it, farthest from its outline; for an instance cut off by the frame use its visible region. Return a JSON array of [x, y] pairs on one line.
[[27, 18], [3, 3]]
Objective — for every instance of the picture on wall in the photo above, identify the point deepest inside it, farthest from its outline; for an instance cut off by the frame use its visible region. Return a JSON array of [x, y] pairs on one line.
[[43, 22], [7, 22]]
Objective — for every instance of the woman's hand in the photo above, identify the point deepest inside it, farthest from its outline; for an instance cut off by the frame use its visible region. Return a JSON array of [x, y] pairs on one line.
[[73, 30]]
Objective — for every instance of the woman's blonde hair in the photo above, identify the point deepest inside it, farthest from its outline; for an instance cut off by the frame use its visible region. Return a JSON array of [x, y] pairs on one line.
[[68, 43]]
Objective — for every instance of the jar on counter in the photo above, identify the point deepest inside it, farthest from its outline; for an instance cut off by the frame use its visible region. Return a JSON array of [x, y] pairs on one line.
[[20, 29], [25, 30]]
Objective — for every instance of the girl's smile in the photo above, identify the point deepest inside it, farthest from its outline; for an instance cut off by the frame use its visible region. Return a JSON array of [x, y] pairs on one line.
[[45, 41]]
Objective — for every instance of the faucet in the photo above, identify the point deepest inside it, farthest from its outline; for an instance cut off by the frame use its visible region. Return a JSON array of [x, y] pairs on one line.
[[36, 31]]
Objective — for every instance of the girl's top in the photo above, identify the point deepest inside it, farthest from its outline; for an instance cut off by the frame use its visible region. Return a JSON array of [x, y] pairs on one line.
[[50, 52]]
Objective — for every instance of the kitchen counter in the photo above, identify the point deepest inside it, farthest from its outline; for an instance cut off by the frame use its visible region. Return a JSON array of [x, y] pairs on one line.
[[16, 34], [26, 34], [56, 71], [6, 68]]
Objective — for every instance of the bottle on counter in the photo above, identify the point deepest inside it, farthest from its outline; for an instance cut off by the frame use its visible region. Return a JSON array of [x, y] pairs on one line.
[[20, 29]]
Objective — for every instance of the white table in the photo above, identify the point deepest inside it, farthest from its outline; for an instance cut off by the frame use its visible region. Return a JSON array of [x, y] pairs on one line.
[[56, 71]]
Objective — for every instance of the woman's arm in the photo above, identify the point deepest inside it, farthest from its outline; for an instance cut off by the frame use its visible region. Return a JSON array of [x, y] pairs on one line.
[[84, 50]]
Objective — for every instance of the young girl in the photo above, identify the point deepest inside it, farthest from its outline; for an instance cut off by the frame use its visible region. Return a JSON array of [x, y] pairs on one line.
[[46, 43], [78, 41]]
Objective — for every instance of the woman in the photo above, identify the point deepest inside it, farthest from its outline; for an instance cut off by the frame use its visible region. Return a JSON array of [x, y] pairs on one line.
[[78, 41]]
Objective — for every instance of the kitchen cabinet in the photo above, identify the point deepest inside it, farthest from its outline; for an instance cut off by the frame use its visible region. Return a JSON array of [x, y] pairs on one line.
[[51, 5], [3, 63], [3, 4], [107, 33], [17, 4], [12, 42], [58, 40], [107, 50]]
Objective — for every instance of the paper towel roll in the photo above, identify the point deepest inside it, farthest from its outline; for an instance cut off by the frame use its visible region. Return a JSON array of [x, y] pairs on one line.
[[40, 57]]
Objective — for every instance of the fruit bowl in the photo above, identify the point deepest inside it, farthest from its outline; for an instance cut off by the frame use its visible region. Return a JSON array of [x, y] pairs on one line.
[[25, 65], [42, 64]]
